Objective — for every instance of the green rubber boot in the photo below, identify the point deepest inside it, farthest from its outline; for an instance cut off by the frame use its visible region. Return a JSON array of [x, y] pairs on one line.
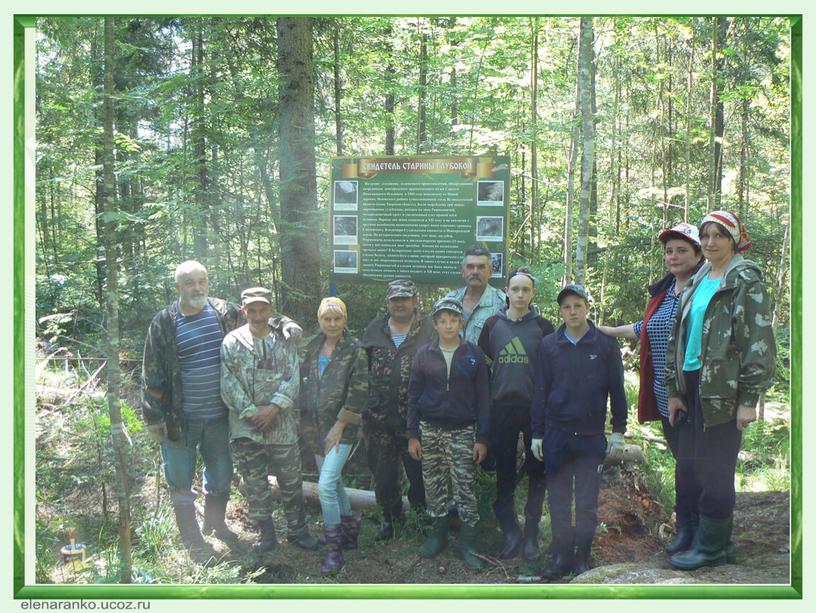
[[710, 546], [467, 547], [437, 540]]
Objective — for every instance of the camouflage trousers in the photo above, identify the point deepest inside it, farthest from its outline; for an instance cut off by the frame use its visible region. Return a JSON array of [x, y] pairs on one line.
[[384, 451], [447, 458], [256, 461]]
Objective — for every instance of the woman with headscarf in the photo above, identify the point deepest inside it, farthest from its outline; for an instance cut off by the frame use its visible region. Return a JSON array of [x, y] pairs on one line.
[[721, 358], [334, 390], [682, 255]]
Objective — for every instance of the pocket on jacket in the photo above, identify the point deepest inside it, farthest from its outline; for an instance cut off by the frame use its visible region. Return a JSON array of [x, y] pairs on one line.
[[719, 377]]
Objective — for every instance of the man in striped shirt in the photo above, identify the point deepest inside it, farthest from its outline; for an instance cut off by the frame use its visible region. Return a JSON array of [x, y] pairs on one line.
[[181, 401]]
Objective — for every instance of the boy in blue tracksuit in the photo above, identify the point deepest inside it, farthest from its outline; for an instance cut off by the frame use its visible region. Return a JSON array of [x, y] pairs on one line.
[[448, 412], [578, 369]]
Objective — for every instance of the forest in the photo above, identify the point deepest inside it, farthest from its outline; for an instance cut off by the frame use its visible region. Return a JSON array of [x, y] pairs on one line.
[[162, 139]]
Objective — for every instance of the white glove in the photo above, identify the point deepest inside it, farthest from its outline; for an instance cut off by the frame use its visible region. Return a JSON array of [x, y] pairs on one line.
[[157, 432], [616, 445], [537, 449], [292, 331]]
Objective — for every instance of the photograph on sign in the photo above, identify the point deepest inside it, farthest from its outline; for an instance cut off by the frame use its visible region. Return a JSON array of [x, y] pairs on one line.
[[490, 193], [345, 229], [490, 229], [345, 195], [497, 263], [345, 262]]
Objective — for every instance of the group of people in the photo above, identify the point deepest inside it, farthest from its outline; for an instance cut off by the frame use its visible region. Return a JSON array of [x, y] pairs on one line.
[[444, 393]]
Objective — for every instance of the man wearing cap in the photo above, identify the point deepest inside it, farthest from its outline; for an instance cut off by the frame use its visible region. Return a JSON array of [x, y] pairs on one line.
[[578, 370], [260, 380], [181, 401], [390, 341], [479, 299]]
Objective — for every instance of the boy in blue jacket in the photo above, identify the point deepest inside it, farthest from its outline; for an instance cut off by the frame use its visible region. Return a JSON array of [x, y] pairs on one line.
[[448, 411], [578, 369]]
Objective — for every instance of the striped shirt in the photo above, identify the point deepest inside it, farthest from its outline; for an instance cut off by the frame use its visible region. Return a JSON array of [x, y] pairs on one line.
[[198, 338], [659, 329], [398, 339]]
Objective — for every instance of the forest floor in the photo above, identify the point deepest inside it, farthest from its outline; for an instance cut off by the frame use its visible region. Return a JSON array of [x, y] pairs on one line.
[[75, 489]]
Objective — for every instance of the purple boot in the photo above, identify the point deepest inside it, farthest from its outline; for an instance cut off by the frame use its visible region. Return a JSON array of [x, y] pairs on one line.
[[350, 529], [334, 552]]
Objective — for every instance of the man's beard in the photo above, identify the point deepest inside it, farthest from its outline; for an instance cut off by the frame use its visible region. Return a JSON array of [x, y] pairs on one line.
[[197, 302]]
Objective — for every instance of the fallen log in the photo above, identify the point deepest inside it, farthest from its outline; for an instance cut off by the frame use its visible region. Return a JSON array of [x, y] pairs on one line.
[[364, 500]]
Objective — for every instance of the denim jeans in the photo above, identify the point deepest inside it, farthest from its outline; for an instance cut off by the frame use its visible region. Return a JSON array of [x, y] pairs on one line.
[[211, 439], [334, 501]]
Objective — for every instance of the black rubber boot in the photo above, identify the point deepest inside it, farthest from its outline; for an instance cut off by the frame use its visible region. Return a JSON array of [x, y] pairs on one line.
[[437, 540], [529, 549], [686, 530], [268, 540], [511, 541], [581, 561], [200, 550], [560, 566], [709, 548], [467, 547], [385, 531], [215, 509]]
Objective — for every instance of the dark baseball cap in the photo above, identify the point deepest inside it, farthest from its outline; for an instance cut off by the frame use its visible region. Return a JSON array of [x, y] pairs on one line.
[[401, 288], [573, 288]]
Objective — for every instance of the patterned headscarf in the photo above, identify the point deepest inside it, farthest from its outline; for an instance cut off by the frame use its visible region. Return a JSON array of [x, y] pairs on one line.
[[334, 303], [732, 225]]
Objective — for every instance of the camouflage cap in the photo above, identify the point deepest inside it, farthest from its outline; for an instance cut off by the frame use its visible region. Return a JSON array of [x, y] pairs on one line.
[[256, 294], [575, 289], [448, 304], [401, 288]]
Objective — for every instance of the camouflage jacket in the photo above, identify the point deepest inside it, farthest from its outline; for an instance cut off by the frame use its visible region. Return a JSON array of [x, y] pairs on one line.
[[493, 300], [257, 372], [738, 348], [389, 370], [161, 369], [341, 393]]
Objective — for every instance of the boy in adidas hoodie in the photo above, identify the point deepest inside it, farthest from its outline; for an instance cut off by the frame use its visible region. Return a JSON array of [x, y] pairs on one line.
[[578, 370], [510, 341]]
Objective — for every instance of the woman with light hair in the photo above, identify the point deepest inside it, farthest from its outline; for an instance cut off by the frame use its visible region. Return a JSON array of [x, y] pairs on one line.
[[334, 391]]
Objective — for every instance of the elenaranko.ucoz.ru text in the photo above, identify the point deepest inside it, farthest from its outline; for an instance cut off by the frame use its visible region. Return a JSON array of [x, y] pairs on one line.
[[86, 605]]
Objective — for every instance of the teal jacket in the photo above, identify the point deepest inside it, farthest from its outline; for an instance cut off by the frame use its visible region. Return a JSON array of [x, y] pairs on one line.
[[738, 353]]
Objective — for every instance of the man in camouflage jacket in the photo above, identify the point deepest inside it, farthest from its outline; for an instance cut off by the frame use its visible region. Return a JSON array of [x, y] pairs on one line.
[[260, 380], [391, 341]]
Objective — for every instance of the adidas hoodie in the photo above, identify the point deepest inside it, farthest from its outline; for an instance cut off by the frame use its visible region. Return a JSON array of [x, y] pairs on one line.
[[511, 348]]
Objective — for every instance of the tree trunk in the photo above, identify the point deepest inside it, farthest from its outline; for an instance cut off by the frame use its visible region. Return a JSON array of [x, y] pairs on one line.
[[120, 440], [199, 145], [338, 89], [716, 120], [689, 91], [300, 249], [423, 87], [390, 102], [572, 160], [585, 59], [533, 135]]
